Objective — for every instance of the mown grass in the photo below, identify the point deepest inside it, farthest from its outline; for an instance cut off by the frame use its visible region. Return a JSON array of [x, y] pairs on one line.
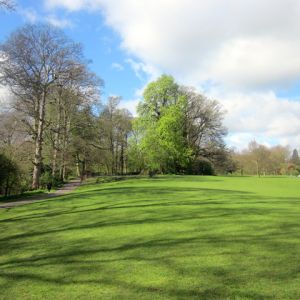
[[176, 237]]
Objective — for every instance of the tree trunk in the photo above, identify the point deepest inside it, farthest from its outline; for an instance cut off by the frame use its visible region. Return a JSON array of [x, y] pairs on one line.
[[64, 143], [77, 165], [37, 164], [56, 138], [257, 169], [6, 186], [122, 159]]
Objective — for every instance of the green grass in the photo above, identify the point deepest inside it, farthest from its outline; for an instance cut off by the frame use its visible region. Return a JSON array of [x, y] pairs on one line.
[[165, 238]]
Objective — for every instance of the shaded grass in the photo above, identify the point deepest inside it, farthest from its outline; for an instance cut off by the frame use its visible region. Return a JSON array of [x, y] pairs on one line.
[[22, 196], [175, 237]]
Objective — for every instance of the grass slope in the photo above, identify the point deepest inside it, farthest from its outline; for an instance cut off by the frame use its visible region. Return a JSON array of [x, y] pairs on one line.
[[164, 238]]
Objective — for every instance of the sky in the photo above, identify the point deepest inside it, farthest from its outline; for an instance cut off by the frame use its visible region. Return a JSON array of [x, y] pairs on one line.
[[244, 53]]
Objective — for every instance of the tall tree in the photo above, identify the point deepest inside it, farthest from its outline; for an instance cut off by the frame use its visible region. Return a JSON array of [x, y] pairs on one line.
[[36, 58], [161, 117], [295, 158], [203, 123], [113, 128], [178, 126]]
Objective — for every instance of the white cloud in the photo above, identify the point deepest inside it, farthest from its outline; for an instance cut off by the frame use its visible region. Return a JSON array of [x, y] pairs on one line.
[[261, 116], [29, 14], [131, 105], [256, 62], [72, 5], [141, 69], [117, 66], [244, 43], [250, 47], [58, 22]]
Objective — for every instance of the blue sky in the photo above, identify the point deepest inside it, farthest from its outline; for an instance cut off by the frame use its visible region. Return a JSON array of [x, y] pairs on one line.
[[101, 44], [244, 53]]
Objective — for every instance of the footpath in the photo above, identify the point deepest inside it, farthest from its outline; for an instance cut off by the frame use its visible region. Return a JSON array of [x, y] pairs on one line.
[[65, 189]]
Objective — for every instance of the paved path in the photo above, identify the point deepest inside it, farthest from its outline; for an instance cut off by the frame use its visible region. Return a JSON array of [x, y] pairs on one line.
[[67, 188]]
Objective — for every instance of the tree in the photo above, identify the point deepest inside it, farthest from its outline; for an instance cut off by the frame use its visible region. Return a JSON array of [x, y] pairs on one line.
[[259, 159], [36, 58], [295, 158], [67, 98], [111, 140], [178, 126], [161, 120], [260, 155], [203, 123], [158, 94], [83, 132], [7, 4], [8, 174], [278, 159]]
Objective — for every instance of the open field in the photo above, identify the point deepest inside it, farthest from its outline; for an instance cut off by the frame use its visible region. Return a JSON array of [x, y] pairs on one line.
[[164, 238]]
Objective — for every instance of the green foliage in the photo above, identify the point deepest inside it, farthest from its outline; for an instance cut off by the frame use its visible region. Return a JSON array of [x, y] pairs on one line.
[[9, 176], [45, 179], [158, 94], [161, 123]]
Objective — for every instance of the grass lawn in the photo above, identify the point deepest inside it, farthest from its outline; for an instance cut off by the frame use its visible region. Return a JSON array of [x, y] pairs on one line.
[[176, 237]]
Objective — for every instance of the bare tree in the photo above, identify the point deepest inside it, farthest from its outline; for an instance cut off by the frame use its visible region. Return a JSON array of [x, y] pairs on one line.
[[68, 97], [36, 58], [7, 4], [203, 124]]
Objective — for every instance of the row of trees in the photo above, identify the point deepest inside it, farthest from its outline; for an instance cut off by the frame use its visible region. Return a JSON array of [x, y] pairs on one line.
[[56, 126], [260, 160], [50, 81]]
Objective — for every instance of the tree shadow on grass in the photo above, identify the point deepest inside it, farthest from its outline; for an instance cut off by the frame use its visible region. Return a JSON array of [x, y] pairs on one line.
[[227, 280], [201, 212]]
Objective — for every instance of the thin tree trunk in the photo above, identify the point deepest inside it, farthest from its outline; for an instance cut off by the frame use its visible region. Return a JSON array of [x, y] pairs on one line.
[[6, 187], [64, 144], [56, 138], [37, 164], [77, 165], [257, 169], [122, 159]]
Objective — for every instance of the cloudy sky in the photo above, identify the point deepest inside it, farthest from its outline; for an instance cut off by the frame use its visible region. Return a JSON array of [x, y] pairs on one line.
[[243, 53]]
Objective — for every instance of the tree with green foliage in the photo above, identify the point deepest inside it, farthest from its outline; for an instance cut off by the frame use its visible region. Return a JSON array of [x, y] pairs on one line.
[[178, 126], [161, 122]]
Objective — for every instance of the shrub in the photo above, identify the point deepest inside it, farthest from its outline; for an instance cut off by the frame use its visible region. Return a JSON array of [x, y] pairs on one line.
[[201, 166]]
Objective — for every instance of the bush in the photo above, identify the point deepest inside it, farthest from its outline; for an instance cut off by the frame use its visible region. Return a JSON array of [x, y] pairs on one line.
[[201, 166], [47, 177], [9, 176]]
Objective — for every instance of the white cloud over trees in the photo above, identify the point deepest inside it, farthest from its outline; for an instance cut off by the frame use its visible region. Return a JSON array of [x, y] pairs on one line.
[[240, 51]]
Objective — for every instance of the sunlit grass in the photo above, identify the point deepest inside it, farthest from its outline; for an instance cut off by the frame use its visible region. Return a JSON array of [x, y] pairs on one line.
[[163, 238]]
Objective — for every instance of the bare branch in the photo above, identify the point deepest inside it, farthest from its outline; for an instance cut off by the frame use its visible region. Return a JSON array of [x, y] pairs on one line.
[[7, 4]]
